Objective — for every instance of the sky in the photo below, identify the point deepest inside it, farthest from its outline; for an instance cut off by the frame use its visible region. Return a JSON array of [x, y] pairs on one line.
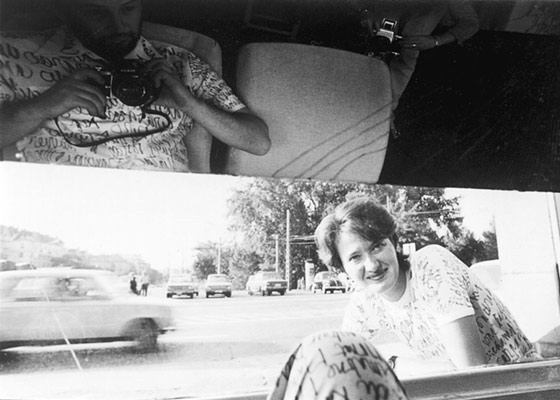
[[157, 215], [154, 214]]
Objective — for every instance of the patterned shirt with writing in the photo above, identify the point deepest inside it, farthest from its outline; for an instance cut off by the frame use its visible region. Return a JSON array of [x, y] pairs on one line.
[[30, 63], [440, 289]]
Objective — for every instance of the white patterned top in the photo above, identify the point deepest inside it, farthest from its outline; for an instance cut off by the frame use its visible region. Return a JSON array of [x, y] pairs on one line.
[[440, 289]]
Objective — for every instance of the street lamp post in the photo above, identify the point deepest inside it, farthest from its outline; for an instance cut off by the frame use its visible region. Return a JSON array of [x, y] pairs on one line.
[[219, 256], [276, 262], [288, 248]]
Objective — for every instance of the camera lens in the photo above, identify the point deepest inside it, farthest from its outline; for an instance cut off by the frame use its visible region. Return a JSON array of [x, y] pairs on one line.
[[380, 44], [131, 89]]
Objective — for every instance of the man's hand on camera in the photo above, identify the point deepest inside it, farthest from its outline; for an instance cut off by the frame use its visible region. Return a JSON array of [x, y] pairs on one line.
[[241, 129], [79, 89], [174, 93]]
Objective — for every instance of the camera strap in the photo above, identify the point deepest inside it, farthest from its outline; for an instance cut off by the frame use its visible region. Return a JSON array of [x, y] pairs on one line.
[[97, 142]]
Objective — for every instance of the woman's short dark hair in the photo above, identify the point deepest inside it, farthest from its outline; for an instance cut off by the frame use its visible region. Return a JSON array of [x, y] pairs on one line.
[[362, 216]]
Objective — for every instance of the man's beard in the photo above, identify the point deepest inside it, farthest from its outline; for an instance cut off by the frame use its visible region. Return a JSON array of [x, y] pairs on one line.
[[112, 48]]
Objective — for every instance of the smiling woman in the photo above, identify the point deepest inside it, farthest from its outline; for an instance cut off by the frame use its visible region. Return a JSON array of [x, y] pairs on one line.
[[431, 301]]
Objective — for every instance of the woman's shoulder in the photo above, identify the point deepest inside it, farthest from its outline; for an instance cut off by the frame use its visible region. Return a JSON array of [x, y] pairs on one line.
[[432, 252], [434, 257]]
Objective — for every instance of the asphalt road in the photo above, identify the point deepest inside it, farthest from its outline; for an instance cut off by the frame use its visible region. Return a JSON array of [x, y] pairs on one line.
[[221, 346]]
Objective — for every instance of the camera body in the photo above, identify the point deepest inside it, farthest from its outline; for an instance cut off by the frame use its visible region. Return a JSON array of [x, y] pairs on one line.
[[385, 43], [127, 81], [388, 30]]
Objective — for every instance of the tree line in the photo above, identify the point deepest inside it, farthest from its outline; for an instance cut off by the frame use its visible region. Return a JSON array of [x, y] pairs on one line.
[[258, 223]]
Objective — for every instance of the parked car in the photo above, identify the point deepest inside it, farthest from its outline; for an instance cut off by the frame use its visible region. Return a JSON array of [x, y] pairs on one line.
[[217, 284], [327, 281], [50, 305], [266, 283], [181, 285]]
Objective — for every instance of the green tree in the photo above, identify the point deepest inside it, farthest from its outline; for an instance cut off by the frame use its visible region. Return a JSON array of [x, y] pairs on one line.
[[470, 250], [205, 260]]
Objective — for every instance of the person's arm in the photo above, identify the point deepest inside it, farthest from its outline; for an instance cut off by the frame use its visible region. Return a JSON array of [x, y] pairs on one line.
[[465, 22], [444, 286], [199, 145], [462, 342], [462, 25], [242, 129], [21, 118]]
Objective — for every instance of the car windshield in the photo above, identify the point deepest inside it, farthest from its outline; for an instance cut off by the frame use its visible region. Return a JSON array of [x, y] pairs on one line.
[[218, 278], [248, 335], [271, 275]]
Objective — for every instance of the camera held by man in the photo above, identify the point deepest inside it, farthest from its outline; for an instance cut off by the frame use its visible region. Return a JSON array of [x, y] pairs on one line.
[[384, 43], [127, 81]]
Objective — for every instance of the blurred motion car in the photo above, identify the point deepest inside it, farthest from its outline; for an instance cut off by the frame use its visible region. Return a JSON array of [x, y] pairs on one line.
[[326, 282], [266, 283], [217, 284], [51, 305], [181, 285]]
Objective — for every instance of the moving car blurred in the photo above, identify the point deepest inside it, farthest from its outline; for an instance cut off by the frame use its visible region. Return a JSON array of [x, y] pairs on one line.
[[266, 283], [217, 284], [55, 305], [181, 285], [327, 281]]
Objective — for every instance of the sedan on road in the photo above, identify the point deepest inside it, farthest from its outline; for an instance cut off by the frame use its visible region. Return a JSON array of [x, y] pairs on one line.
[[326, 282], [181, 285], [217, 284], [59, 305], [266, 283]]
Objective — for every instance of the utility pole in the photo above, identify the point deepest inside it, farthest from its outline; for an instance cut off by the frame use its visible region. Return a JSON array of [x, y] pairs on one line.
[[276, 263], [220, 256], [288, 267]]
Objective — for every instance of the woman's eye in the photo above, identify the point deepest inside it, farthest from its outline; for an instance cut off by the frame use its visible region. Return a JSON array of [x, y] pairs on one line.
[[375, 247]]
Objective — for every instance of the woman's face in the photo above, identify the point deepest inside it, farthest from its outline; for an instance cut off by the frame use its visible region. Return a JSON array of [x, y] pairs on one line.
[[371, 265]]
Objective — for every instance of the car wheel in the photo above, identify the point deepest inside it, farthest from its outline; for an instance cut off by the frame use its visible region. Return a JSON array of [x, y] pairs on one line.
[[343, 290], [191, 295], [144, 332], [207, 294], [263, 292], [228, 294], [282, 292], [169, 295]]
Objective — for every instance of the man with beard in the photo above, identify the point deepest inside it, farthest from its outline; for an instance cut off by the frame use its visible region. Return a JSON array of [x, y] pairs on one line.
[[57, 106]]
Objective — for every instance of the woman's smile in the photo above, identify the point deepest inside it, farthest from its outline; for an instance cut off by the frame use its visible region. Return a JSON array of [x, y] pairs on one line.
[[376, 276]]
